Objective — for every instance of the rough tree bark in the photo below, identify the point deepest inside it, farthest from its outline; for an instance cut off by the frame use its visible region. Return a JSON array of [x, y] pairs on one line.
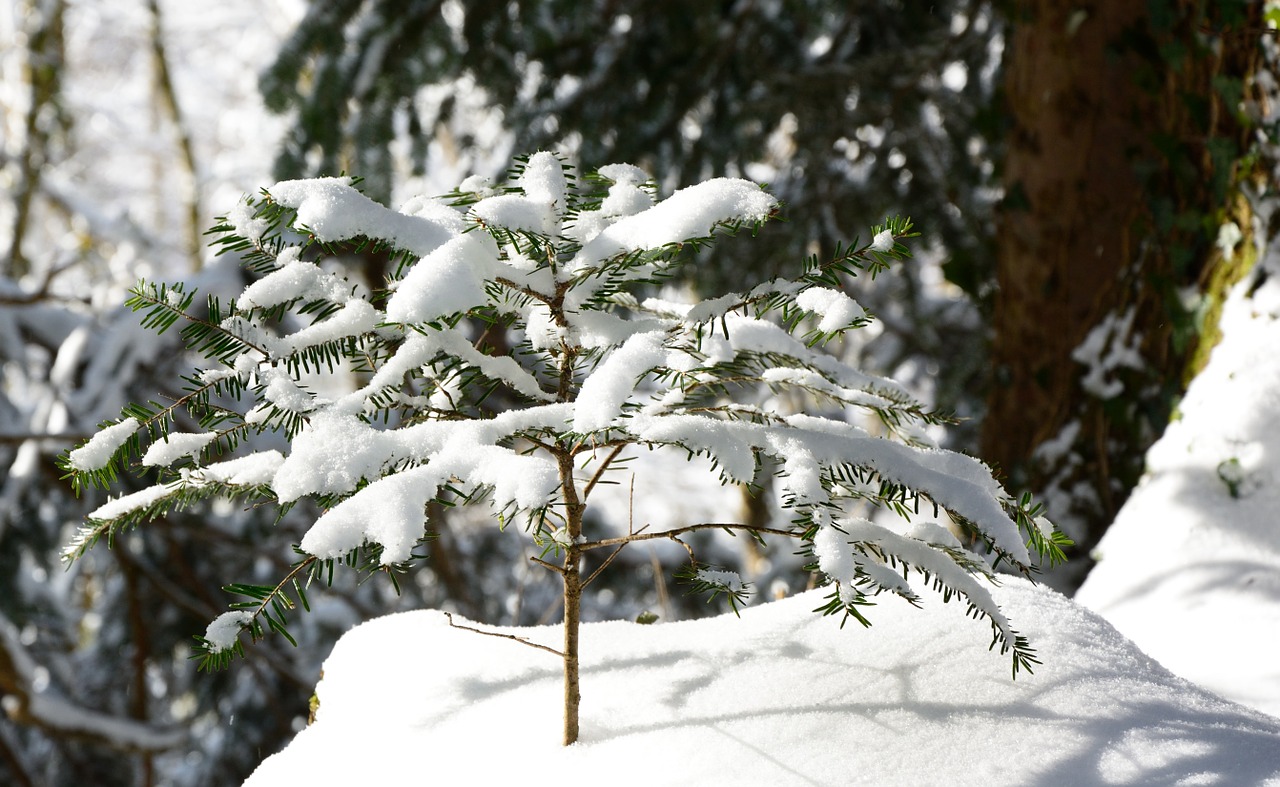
[[1122, 163]]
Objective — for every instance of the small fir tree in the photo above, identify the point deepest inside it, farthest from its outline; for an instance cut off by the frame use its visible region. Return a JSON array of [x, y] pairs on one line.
[[555, 271]]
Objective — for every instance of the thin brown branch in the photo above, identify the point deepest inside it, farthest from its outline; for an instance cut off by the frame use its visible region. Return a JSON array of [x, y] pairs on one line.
[[679, 531], [278, 590], [631, 530], [692, 558], [608, 460], [660, 584], [607, 561], [583, 447], [512, 637], [546, 565], [523, 290]]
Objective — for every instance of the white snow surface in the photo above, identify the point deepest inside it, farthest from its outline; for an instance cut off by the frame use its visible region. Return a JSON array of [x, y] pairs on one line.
[[517, 212], [1189, 571], [253, 469], [883, 241], [334, 210], [96, 454], [688, 213], [836, 309], [127, 504], [780, 696], [297, 279], [543, 179], [337, 450], [224, 630], [603, 393], [447, 281], [174, 446], [353, 319]]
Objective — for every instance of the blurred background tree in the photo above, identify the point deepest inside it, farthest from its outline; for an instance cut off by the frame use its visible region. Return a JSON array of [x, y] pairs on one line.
[[1131, 155]]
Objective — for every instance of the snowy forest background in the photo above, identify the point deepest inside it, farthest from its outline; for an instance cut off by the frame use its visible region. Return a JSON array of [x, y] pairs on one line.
[[1090, 180]]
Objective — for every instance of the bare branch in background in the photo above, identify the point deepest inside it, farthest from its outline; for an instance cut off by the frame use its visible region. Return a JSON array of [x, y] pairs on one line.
[[43, 72], [168, 100]]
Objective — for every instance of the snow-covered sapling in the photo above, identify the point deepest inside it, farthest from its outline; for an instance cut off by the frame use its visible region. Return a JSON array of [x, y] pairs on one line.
[[559, 270]]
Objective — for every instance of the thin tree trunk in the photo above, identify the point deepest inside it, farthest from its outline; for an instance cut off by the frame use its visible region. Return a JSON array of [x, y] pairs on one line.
[[44, 77], [168, 98], [141, 642], [572, 578], [572, 619]]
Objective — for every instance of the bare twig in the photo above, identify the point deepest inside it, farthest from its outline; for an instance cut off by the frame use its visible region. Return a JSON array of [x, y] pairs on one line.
[[631, 499], [521, 640], [608, 460], [692, 558], [546, 565], [523, 290], [679, 531], [278, 590], [660, 584], [591, 445], [603, 565]]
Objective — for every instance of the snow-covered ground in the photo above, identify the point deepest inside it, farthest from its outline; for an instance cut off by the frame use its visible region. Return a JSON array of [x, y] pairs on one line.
[[1190, 571], [781, 696]]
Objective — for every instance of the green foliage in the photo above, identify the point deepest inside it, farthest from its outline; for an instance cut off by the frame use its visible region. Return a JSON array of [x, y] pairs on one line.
[[716, 583], [521, 376]]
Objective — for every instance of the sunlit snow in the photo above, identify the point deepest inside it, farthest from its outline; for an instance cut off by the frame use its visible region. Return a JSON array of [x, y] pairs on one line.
[[95, 454], [780, 696], [1191, 568]]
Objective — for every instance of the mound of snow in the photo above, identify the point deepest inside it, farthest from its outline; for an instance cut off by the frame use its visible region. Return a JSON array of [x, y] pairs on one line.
[[780, 696], [1191, 568]]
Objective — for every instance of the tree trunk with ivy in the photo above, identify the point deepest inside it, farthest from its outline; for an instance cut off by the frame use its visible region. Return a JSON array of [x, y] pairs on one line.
[[1125, 162]]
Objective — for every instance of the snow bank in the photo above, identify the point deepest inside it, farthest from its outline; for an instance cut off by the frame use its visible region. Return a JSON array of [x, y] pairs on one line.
[[779, 697], [1191, 568]]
